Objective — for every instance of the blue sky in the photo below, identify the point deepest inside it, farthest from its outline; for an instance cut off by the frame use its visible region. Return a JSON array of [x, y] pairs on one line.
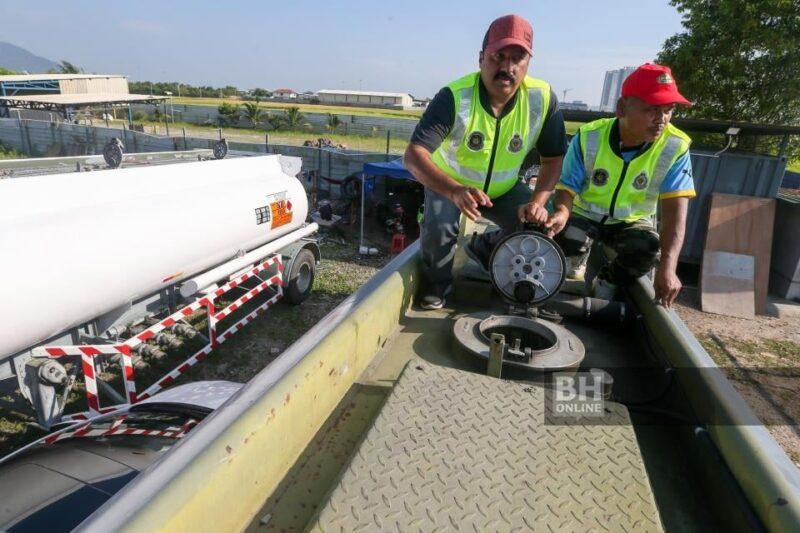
[[415, 46]]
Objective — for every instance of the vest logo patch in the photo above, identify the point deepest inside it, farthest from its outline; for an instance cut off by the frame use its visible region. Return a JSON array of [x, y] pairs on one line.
[[600, 177], [475, 141], [640, 181], [515, 144]]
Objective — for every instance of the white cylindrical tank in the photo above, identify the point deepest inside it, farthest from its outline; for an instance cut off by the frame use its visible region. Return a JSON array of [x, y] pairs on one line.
[[75, 246]]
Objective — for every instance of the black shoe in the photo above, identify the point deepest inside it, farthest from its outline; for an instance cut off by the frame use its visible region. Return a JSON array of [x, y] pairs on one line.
[[480, 247], [431, 301]]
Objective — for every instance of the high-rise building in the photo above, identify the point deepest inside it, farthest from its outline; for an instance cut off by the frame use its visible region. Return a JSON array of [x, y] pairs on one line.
[[612, 87]]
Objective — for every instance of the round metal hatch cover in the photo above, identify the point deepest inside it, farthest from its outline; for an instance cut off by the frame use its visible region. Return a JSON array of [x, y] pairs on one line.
[[527, 267], [531, 343]]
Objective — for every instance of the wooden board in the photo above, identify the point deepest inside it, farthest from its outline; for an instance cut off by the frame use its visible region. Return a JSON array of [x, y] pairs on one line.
[[743, 225], [728, 284]]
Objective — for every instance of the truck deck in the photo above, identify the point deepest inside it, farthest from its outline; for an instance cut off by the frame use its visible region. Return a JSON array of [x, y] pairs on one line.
[[375, 421]]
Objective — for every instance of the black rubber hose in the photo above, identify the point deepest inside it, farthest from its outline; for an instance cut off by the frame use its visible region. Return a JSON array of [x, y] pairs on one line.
[[586, 308]]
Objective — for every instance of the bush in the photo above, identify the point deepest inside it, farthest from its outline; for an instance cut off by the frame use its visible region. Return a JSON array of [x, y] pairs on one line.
[[228, 114]]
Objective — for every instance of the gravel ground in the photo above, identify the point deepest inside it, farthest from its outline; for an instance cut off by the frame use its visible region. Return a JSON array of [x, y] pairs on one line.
[[761, 357]]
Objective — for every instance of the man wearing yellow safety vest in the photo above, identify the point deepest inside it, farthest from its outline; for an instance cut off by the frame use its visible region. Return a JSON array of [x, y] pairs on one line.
[[469, 146], [615, 173]]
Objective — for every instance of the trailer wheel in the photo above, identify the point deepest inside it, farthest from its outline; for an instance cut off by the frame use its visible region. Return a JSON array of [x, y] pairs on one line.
[[300, 280]]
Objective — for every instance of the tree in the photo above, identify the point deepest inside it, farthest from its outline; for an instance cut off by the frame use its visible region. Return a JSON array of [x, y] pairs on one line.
[[293, 118], [275, 122], [252, 112], [5, 72], [228, 114], [738, 59], [65, 67], [333, 122]]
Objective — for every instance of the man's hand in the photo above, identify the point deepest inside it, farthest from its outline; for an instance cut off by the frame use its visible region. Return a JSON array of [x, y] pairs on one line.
[[667, 286], [467, 199], [556, 222], [533, 212]]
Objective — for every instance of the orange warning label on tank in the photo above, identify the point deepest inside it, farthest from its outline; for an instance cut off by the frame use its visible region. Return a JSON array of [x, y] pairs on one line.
[[281, 209]]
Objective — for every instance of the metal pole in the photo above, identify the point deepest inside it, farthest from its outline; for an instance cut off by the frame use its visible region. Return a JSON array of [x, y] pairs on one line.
[[361, 236], [220, 134], [266, 142], [184, 138], [784, 145], [497, 346], [388, 136], [166, 120]]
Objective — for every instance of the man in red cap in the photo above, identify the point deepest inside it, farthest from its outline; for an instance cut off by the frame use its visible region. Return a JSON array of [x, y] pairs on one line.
[[469, 146], [615, 173]]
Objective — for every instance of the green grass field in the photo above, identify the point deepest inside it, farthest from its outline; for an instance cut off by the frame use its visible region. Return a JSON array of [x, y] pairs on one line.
[[410, 114], [364, 143]]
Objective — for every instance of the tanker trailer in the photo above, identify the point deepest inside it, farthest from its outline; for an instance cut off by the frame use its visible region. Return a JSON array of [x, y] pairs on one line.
[[88, 256]]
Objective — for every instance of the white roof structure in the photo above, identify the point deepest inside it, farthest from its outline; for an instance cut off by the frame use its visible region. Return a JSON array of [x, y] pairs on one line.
[[79, 99], [44, 77], [362, 93]]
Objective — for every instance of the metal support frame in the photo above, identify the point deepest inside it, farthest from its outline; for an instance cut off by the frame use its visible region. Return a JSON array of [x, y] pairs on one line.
[[124, 350]]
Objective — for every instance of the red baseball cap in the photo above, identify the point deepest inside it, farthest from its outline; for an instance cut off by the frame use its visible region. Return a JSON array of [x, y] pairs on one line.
[[654, 84], [510, 30]]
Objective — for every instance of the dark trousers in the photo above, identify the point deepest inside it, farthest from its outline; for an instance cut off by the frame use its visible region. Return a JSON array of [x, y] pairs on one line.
[[636, 244], [440, 230]]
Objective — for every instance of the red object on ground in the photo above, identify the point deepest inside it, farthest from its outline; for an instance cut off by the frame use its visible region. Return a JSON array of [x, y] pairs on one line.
[[398, 243]]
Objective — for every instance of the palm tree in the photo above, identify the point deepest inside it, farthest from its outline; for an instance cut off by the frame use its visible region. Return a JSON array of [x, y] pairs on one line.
[[293, 118], [65, 67], [252, 112], [333, 122]]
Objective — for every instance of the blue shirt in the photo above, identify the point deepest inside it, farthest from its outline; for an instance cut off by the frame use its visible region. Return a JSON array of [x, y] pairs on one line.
[[678, 181]]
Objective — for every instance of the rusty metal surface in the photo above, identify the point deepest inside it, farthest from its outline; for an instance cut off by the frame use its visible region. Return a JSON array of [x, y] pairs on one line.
[[452, 450]]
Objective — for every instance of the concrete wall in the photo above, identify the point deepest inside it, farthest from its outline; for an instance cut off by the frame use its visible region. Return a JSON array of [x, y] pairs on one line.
[[351, 124], [52, 139]]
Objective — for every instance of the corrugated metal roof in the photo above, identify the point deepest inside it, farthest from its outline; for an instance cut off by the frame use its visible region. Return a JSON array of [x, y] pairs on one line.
[[44, 77], [79, 99], [362, 93]]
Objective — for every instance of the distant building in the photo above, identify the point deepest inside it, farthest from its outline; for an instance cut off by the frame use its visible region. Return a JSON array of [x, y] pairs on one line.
[[39, 95], [577, 105], [365, 98], [284, 93], [612, 87]]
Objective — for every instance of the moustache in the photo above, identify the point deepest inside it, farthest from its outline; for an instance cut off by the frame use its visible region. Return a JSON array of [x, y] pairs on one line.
[[502, 75]]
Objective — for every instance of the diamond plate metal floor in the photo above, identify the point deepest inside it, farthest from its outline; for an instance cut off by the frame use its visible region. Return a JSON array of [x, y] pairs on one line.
[[453, 450]]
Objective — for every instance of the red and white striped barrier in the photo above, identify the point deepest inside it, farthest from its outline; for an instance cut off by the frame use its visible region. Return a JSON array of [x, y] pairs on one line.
[[117, 428], [88, 352]]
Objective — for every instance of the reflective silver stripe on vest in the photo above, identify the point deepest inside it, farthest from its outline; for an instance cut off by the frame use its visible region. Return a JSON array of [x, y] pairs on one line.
[[663, 164], [535, 116], [462, 117], [590, 155], [467, 173], [479, 178]]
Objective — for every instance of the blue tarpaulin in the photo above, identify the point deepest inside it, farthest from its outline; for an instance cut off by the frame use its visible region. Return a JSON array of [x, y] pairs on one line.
[[393, 169]]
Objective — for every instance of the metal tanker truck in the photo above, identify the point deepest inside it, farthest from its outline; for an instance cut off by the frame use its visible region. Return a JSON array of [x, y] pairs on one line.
[[110, 265]]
